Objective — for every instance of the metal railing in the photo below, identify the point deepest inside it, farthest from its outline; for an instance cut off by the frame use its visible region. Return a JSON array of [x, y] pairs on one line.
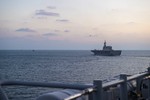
[[95, 91]]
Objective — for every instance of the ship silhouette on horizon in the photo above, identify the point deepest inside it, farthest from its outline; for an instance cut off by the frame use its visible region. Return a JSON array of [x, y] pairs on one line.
[[107, 51]]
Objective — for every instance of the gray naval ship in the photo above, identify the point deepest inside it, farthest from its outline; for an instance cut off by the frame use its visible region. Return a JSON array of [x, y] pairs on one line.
[[107, 51]]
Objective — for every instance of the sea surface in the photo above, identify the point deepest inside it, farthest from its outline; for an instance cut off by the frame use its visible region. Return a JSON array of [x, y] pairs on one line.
[[67, 66]]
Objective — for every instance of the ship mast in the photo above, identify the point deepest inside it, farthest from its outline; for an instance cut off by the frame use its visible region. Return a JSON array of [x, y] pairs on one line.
[[104, 45]]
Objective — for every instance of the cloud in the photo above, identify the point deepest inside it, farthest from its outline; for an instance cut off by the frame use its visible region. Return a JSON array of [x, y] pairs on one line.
[[131, 22], [51, 7], [41, 17], [25, 30], [93, 35], [66, 31], [56, 30], [46, 13], [115, 10], [62, 20], [50, 34], [95, 29]]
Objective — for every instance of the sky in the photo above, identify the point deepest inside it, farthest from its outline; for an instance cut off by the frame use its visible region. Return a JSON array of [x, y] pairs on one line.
[[74, 24]]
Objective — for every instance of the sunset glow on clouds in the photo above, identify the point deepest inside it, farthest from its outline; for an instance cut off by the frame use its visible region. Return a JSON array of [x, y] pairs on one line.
[[79, 24]]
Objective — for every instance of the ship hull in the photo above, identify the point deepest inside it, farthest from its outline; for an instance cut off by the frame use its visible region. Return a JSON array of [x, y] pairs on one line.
[[107, 53]]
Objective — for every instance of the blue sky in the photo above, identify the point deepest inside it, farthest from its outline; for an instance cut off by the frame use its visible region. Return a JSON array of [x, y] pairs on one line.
[[78, 24]]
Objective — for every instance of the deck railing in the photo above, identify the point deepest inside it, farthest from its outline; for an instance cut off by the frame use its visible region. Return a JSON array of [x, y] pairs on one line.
[[96, 91]]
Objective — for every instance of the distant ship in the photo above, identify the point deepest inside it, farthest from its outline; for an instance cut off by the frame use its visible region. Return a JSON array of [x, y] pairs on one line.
[[107, 51]]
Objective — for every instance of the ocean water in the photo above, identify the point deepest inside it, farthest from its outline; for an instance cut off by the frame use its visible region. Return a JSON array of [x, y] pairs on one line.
[[68, 66]]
